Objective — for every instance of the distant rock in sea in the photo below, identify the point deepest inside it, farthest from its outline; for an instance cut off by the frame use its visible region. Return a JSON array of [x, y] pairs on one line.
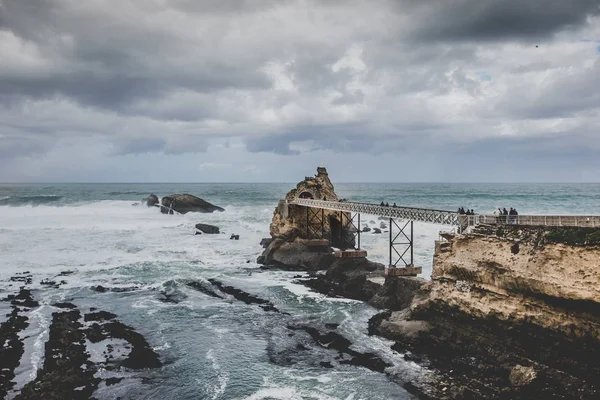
[[184, 203], [207, 228], [152, 200]]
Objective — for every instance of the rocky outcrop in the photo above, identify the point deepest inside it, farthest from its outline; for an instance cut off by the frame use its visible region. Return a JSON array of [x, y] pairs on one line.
[[514, 315], [184, 203], [289, 221]]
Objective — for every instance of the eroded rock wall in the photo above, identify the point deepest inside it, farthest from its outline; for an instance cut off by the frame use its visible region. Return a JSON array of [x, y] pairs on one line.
[[499, 304]]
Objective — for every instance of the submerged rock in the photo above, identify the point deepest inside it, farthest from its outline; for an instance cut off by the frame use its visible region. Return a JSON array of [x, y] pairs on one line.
[[184, 203]]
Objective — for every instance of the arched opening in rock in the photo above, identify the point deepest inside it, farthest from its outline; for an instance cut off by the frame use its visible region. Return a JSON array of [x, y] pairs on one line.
[[306, 195]]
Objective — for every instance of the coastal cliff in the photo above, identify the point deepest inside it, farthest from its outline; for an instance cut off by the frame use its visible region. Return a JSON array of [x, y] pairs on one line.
[[510, 312], [513, 314]]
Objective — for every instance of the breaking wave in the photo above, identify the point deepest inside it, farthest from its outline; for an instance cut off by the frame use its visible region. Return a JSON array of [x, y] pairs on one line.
[[29, 200]]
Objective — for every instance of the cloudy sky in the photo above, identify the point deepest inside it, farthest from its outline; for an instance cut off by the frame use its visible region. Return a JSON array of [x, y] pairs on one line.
[[265, 90]]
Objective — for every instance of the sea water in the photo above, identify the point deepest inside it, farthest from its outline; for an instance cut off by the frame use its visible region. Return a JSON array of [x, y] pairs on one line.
[[220, 348]]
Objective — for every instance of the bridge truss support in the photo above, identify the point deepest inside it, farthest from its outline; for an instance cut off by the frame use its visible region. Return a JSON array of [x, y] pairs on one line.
[[315, 215], [350, 227], [400, 247]]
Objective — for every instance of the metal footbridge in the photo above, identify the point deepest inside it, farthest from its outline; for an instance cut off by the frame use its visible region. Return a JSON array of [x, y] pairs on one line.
[[401, 241]]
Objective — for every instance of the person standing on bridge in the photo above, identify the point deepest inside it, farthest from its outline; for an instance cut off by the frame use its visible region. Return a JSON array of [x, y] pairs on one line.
[[497, 214]]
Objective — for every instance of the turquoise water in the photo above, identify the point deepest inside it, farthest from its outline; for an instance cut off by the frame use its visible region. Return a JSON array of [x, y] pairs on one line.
[[221, 348]]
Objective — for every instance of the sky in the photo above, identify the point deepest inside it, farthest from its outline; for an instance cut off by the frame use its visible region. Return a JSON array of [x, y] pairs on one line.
[[265, 90]]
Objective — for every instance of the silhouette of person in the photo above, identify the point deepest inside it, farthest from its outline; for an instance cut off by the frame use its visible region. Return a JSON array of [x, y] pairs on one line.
[[386, 204], [394, 205]]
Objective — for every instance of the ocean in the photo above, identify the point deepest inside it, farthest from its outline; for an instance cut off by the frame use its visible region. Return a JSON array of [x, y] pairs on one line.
[[216, 348]]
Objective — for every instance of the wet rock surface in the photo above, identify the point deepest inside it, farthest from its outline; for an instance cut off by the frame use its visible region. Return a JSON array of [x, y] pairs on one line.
[[11, 349], [62, 376], [320, 346], [141, 355], [243, 296], [67, 371], [204, 287]]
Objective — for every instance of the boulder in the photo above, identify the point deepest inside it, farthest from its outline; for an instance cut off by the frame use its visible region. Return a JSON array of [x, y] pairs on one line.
[[184, 203], [376, 230], [521, 376], [382, 225], [207, 228], [152, 200], [366, 229], [234, 237]]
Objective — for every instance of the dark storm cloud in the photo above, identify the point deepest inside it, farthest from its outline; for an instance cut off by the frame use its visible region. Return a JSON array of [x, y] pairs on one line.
[[450, 20], [294, 77]]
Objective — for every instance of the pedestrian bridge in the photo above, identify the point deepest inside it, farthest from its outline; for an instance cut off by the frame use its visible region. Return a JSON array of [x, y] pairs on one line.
[[401, 241]]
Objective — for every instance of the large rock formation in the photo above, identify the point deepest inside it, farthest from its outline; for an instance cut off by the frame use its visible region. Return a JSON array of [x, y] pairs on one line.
[[290, 221], [506, 303], [184, 203]]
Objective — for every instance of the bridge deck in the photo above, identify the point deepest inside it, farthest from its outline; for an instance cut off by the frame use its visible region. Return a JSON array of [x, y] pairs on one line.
[[442, 217]]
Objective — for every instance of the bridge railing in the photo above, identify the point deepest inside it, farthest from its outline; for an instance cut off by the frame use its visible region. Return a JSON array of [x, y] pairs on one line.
[[591, 221]]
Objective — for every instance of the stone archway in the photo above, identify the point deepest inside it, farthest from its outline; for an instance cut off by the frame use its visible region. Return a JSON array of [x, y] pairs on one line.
[[306, 195]]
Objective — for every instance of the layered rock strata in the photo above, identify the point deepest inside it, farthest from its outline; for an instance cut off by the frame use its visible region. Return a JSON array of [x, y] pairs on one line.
[[510, 315]]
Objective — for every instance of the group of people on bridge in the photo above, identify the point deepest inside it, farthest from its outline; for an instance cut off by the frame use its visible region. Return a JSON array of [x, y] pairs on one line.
[[504, 215], [387, 205], [462, 211]]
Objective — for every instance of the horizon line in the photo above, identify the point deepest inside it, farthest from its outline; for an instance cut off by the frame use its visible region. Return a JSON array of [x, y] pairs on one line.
[[291, 182]]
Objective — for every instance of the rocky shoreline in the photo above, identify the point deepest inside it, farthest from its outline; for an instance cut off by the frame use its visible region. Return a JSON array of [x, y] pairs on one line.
[[510, 313], [68, 371]]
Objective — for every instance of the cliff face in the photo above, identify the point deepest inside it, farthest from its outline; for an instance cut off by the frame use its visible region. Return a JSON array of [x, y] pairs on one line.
[[555, 286], [500, 305]]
